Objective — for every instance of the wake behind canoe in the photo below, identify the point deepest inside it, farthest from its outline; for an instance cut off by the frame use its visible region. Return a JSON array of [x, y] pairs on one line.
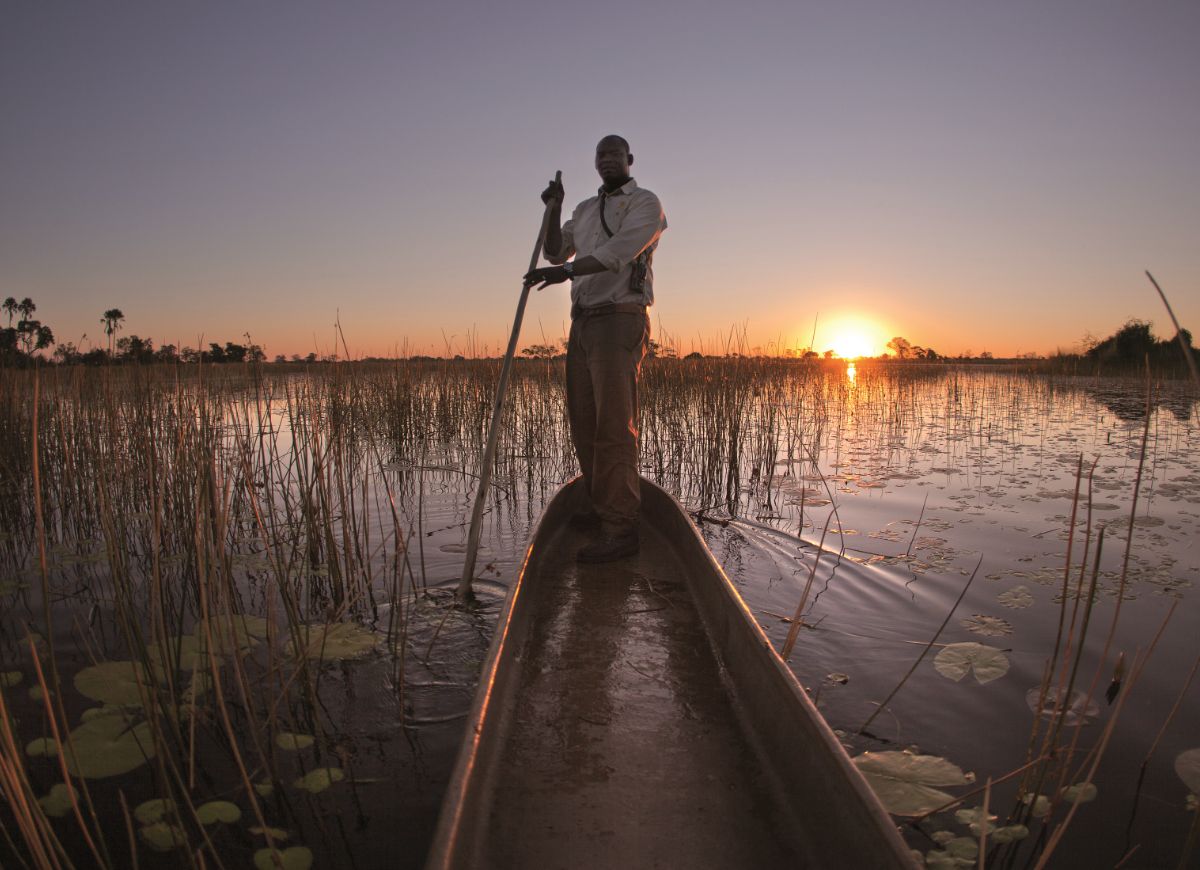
[[632, 715]]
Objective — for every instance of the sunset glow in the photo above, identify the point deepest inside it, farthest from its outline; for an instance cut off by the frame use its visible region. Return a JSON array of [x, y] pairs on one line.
[[850, 336]]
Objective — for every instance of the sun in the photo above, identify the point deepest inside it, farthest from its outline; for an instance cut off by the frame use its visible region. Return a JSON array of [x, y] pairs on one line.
[[851, 343]]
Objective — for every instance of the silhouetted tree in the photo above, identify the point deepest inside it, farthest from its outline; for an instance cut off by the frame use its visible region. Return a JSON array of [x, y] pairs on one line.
[[112, 323], [215, 353], [167, 354], [902, 347], [134, 348], [67, 354], [235, 352], [540, 351], [10, 308]]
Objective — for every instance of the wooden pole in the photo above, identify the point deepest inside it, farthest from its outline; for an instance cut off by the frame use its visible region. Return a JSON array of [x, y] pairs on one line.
[[489, 452]]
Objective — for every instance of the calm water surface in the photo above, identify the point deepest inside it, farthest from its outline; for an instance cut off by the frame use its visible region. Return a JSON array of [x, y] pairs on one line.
[[914, 484]]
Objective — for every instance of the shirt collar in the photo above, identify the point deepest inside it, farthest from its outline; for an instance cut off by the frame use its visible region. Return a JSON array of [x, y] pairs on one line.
[[628, 187]]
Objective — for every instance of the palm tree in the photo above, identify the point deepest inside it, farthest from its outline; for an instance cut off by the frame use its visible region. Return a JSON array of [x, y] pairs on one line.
[[26, 307], [10, 306], [112, 323]]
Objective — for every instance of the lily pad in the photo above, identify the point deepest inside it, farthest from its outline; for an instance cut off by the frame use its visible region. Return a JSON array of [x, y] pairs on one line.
[[8, 679], [1080, 793], [346, 640], [1009, 834], [291, 858], [976, 819], [959, 852], [153, 810], [254, 626], [264, 789], [1078, 710], [185, 646], [107, 710], [988, 626], [1041, 804], [42, 747], [293, 742], [956, 660], [113, 682], [108, 746], [229, 636], [904, 782], [319, 779], [218, 811], [1017, 597], [1187, 766], [162, 837], [58, 802], [276, 833]]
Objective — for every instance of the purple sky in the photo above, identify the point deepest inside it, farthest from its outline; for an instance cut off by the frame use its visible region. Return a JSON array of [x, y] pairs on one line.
[[969, 175]]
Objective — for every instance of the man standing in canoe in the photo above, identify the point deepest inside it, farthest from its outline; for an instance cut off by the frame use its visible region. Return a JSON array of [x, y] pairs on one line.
[[612, 237]]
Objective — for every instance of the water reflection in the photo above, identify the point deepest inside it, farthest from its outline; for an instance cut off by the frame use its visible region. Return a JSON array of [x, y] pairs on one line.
[[851, 372]]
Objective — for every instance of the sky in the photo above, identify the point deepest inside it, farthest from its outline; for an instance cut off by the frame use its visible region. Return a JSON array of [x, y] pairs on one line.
[[971, 176]]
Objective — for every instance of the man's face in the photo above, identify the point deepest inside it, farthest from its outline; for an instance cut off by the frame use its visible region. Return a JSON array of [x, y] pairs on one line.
[[612, 160]]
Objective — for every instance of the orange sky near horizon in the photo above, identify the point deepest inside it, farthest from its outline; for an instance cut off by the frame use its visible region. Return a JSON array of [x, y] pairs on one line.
[[979, 177]]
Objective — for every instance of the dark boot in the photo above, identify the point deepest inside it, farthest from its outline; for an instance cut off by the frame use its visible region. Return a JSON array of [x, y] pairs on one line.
[[585, 521], [610, 548]]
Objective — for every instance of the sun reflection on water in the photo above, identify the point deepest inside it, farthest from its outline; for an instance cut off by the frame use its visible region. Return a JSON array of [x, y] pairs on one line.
[[851, 372]]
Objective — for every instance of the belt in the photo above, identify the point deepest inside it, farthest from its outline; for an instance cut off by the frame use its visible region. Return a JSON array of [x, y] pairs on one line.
[[609, 308]]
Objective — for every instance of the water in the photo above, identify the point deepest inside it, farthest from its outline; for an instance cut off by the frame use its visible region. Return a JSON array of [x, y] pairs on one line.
[[916, 481]]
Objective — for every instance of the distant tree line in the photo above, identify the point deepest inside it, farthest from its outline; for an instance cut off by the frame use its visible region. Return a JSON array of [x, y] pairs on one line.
[[1134, 344], [20, 341]]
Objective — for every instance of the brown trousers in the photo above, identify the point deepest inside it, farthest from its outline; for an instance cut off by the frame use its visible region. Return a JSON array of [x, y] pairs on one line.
[[604, 360]]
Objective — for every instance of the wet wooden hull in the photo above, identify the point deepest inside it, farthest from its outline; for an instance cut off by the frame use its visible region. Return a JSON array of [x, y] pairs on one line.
[[633, 714]]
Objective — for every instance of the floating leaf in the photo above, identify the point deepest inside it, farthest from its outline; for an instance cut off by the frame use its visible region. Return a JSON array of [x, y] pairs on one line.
[[153, 810], [1187, 766], [108, 746], [112, 682], [345, 640], [162, 837], [185, 646], [276, 833], [107, 710], [8, 679], [229, 635], [218, 811], [291, 858], [319, 779], [293, 742], [1017, 597], [1041, 804], [42, 747], [956, 660], [942, 837], [36, 693], [58, 802], [1008, 834], [264, 789], [975, 819], [988, 626], [255, 626], [902, 781], [958, 852], [1079, 710], [1080, 793]]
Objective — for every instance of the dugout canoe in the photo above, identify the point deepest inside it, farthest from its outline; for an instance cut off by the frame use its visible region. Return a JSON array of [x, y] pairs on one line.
[[633, 714]]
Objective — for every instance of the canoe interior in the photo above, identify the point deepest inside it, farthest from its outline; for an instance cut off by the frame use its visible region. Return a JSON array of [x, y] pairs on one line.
[[632, 715]]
